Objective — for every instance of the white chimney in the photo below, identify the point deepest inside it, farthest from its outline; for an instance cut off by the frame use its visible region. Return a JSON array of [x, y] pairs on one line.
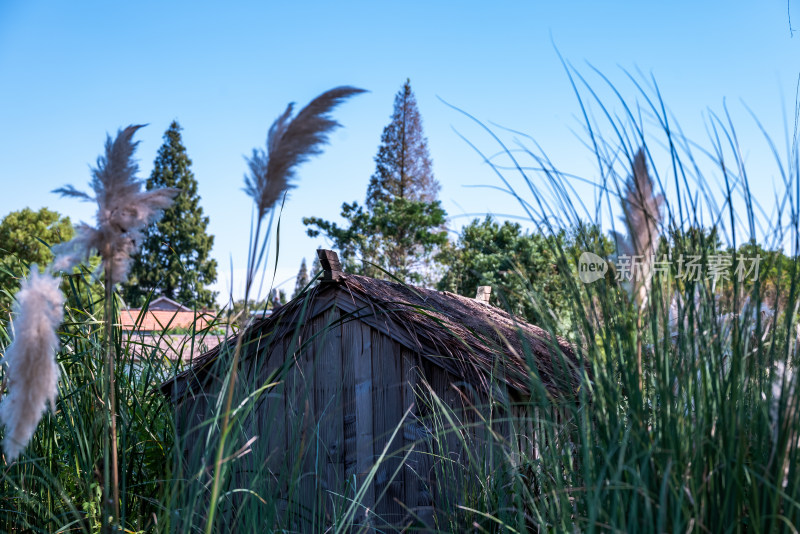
[[484, 292]]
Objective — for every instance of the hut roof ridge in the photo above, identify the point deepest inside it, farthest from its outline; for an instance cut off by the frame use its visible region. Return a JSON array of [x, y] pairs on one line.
[[473, 340]]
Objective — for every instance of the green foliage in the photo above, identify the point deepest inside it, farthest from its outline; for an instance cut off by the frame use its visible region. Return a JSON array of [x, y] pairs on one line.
[[400, 237], [403, 163], [57, 483], [25, 238], [704, 439], [775, 273], [402, 228], [173, 260], [524, 269]]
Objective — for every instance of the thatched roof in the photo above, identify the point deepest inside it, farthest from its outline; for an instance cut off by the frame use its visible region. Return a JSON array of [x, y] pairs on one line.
[[474, 341]]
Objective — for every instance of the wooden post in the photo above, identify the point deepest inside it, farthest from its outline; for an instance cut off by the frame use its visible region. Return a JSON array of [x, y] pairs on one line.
[[331, 267]]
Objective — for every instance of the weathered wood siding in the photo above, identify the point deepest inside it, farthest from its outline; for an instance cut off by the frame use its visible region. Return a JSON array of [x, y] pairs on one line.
[[343, 389]]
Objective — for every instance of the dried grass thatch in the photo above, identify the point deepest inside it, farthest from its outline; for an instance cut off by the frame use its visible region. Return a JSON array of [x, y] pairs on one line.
[[474, 341]]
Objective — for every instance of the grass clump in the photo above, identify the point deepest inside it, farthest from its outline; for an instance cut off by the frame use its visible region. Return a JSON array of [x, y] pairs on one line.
[[685, 420]]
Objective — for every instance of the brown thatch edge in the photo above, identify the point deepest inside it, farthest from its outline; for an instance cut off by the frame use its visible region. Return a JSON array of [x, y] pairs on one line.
[[474, 341]]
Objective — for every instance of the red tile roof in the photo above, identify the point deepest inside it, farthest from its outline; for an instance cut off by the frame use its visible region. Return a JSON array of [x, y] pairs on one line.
[[159, 320]]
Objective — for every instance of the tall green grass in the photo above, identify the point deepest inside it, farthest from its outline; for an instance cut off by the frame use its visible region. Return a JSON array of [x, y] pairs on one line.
[[705, 440]]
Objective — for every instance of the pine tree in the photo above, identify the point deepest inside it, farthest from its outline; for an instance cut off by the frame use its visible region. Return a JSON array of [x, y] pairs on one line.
[[402, 228], [174, 257], [403, 163], [302, 279], [316, 267]]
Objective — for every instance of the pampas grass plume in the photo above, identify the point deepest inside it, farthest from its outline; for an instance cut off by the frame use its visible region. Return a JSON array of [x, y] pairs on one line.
[[291, 142], [642, 215], [32, 370], [123, 210]]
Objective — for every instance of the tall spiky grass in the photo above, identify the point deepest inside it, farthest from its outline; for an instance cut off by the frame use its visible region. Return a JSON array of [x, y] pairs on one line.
[[679, 428], [57, 484], [123, 212], [703, 437], [290, 142], [699, 436]]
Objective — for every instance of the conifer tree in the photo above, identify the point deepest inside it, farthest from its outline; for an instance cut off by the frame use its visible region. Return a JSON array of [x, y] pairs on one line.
[[302, 279], [402, 228], [316, 267], [174, 257], [403, 163]]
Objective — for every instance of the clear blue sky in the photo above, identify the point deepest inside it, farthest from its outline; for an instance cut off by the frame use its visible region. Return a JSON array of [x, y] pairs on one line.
[[71, 72]]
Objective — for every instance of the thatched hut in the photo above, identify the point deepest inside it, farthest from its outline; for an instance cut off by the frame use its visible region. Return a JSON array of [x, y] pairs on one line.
[[352, 358]]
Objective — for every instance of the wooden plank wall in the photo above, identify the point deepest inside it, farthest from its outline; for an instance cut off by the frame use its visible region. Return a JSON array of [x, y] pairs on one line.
[[387, 413], [262, 469], [358, 410], [328, 397], [270, 419], [294, 402], [447, 450], [334, 412]]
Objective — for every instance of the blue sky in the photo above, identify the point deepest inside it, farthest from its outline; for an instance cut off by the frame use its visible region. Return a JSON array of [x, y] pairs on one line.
[[72, 72]]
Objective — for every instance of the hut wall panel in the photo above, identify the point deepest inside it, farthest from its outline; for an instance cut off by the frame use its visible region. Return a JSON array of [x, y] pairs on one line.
[[247, 381], [191, 414], [523, 428], [262, 467], [328, 402], [244, 466], [358, 337], [415, 439], [447, 448], [271, 411], [295, 407], [350, 346], [503, 412], [388, 411], [311, 471]]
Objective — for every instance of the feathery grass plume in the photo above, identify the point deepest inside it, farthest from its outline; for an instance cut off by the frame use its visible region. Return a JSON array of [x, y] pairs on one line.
[[642, 217], [32, 370], [123, 209], [291, 142], [783, 385], [783, 411]]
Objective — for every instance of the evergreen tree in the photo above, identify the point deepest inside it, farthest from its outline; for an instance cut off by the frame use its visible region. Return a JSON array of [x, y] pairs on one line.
[[302, 279], [403, 163], [402, 237], [316, 267], [174, 257], [401, 228]]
